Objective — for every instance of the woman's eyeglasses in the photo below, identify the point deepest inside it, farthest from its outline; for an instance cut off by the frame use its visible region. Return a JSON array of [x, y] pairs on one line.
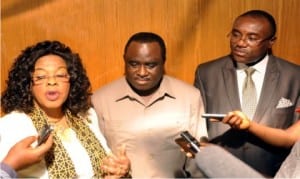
[[43, 78]]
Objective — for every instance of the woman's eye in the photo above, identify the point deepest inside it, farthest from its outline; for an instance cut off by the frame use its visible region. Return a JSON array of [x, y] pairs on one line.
[[40, 77], [61, 76]]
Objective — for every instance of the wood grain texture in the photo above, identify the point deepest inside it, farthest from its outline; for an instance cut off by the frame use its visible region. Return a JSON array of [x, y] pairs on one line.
[[194, 30]]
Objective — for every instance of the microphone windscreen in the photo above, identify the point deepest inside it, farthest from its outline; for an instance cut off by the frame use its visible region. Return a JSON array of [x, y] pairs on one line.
[[216, 162]]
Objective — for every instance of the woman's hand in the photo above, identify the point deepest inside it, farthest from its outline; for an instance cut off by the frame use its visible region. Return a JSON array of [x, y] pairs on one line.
[[116, 166], [237, 120]]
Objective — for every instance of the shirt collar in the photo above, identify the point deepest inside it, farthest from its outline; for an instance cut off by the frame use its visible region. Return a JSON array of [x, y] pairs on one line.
[[259, 67]]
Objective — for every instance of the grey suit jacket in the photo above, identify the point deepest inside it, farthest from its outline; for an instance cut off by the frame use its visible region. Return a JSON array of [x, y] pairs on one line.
[[217, 82]]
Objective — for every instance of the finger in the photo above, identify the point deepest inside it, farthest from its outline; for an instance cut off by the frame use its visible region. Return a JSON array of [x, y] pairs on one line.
[[106, 169], [245, 122], [226, 118], [122, 150], [27, 141], [111, 177], [229, 118], [110, 154], [214, 120], [238, 121], [119, 171], [241, 115], [189, 155], [230, 114], [233, 120], [49, 141], [112, 170], [44, 147]]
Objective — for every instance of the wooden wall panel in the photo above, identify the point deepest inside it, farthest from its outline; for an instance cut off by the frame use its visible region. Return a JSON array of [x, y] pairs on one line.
[[194, 30]]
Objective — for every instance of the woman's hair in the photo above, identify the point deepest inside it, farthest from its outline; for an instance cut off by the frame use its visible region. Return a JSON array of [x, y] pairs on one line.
[[18, 95]]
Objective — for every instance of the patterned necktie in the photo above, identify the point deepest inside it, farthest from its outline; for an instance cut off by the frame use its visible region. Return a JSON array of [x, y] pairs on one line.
[[249, 94]]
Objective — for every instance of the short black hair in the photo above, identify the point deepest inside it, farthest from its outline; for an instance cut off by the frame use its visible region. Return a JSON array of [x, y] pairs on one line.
[[262, 14], [148, 37]]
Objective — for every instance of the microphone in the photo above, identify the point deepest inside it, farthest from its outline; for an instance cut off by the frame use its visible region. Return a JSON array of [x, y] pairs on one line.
[[216, 162]]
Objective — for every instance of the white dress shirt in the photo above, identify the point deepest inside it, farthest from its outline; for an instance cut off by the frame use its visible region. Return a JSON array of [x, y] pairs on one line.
[[257, 77]]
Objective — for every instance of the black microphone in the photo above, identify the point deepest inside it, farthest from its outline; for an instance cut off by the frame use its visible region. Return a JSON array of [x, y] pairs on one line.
[[216, 162]]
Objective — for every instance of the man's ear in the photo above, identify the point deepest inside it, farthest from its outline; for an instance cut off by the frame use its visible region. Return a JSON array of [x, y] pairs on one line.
[[272, 41]]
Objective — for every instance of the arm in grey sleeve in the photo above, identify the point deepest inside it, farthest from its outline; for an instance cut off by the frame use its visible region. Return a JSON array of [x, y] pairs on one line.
[[6, 171], [215, 162]]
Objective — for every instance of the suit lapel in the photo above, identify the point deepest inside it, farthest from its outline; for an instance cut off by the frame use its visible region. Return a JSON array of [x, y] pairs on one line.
[[268, 89], [231, 87]]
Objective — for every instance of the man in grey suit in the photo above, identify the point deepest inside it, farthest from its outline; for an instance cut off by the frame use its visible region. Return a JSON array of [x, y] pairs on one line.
[[276, 85]]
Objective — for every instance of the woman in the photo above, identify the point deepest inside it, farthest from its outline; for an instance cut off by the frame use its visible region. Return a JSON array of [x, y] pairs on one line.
[[48, 85]]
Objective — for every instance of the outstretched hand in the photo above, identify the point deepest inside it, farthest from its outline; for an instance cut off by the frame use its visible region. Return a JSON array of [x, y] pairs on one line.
[[237, 120], [22, 154]]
